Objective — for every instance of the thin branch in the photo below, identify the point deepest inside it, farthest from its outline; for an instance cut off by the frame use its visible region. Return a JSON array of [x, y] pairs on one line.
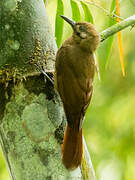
[[111, 15], [130, 21]]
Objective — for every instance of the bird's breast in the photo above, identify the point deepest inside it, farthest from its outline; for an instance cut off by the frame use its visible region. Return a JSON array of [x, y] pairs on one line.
[[81, 62]]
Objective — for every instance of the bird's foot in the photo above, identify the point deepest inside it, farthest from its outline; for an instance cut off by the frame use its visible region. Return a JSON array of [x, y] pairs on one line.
[[41, 68]]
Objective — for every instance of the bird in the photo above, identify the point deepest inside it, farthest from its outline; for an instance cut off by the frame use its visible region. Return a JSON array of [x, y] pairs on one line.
[[74, 75]]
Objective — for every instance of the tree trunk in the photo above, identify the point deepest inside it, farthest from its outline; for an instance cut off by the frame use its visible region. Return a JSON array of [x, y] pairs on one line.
[[32, 120]]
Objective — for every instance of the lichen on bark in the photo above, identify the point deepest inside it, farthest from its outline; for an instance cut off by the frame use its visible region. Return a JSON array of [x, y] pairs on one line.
[[32, 149], [32, 120], [24, 29], [27, 151]]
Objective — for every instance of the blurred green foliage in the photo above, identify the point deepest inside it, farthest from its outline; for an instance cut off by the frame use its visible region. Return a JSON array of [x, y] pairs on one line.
[[3, 171], [109, 126], [59, 22]]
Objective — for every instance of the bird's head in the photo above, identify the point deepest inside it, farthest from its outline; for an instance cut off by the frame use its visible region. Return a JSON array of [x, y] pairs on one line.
[[84, 34]]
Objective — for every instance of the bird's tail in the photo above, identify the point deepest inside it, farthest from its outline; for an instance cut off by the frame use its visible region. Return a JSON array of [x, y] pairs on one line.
[[72, 148]]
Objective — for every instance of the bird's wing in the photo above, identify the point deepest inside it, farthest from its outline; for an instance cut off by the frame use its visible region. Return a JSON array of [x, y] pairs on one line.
[[75, 91]]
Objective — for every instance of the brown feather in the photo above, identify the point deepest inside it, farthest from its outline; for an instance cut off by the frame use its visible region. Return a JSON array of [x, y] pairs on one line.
[[74, 74]]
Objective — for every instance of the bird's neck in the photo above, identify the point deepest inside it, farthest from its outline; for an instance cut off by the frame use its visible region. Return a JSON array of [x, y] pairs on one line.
[[77, 42]]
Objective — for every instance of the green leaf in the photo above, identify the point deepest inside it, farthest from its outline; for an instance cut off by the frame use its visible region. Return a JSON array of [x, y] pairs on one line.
[[110, 40], [44, 1], [113, 5], [87, 14], [105, 50], [59, 23], [112, 21], [76, 15]]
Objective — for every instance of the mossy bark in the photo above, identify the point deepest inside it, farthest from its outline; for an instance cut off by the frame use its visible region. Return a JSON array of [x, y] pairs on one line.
[[31, 115], [25, 38]]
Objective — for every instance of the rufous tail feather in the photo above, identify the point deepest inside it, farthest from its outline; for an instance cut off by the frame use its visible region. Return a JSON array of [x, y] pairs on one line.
[[72, 148]]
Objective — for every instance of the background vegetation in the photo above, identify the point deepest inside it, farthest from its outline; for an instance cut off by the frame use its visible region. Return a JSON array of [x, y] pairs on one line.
[[109, 127]]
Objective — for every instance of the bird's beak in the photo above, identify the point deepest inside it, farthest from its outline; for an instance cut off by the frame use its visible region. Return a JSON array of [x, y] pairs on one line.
[[71, 22]]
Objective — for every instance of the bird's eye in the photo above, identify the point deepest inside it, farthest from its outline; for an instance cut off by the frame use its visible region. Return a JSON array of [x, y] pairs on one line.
[[81, 28]]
